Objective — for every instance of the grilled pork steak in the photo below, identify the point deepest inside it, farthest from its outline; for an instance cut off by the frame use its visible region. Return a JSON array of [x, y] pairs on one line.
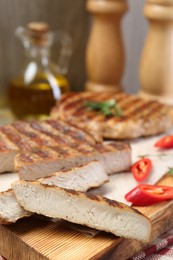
[[37, 149], [93, 211], [8, 151], [26, 136], [138, 117], [38, 163]]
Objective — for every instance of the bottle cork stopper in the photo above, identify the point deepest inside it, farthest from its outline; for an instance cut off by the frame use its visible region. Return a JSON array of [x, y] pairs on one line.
[[38, 27], [38, 32]]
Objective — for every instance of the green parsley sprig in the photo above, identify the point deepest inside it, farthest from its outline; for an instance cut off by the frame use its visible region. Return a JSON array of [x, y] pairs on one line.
[[108, 108], [170, 171]]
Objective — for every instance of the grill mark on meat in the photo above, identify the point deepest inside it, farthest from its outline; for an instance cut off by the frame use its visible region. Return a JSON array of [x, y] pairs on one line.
[[93, 197], [29, 157], [13, 136], [133, 112], [70, 95], [100, 117], [122, 101], [21, 127], [129, 104], [3, 146], [85, 113], [65, 151], [6, 144], [56, 135], [111, 147], [153, 112], [43, 154], [36, 155], [73, 103], [141, 106], [84, 149], [67, 137], [81, 108], [25, 158], [77, 134], [40, 128], [114, 203], [124, 104], [57, 125], [134, 107], [60, 133], [71, 135], [150, 111], [77, 103], [73, 192]]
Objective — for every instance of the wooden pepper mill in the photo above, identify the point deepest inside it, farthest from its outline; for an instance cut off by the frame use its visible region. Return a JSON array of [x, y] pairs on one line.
[[156, 67], [105, 51]]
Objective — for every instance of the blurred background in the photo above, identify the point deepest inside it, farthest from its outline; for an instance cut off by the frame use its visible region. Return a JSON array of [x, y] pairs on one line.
[[73, 18]]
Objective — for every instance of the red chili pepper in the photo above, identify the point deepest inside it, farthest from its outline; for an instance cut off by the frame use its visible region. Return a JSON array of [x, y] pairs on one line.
[[145, 194], [141, 169], [165, 142]]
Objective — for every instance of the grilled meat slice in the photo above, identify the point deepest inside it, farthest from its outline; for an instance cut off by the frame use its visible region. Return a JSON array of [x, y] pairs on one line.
[[8, 151], [51, 133], [10, 209], [139, 117], [38, 163], [79, 178], [25, 136], [93, 211]]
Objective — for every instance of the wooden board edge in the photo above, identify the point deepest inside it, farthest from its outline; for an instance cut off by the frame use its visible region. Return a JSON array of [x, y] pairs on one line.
[[12, 247], [161, 219]]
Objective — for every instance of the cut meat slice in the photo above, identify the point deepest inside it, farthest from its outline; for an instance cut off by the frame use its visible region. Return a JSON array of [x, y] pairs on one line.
[[93, 211], [10, 209], [23, 136], [114, 157], [78, 178], [8, 151]]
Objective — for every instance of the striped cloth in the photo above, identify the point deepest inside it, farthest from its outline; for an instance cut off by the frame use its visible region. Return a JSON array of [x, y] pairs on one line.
[[161, 248]]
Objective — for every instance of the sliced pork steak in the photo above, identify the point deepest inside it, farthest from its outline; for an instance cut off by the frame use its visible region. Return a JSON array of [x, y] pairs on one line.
[[77, 207], [114, 157]]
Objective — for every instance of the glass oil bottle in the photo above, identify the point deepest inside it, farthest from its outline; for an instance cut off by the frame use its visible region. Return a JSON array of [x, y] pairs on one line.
[[33, 93]]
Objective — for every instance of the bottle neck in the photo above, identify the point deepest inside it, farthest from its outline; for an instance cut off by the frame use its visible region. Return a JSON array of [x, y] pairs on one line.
[[38, 54]]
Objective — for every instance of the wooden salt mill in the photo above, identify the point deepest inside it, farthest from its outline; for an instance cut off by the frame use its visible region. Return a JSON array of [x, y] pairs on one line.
[[105, 51], [156, 67]]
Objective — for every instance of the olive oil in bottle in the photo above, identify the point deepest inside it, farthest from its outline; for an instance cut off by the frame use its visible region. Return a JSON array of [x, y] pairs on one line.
[[35, 91]]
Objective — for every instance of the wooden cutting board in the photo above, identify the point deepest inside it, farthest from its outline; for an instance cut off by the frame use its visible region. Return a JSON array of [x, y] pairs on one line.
[[37, 239]]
